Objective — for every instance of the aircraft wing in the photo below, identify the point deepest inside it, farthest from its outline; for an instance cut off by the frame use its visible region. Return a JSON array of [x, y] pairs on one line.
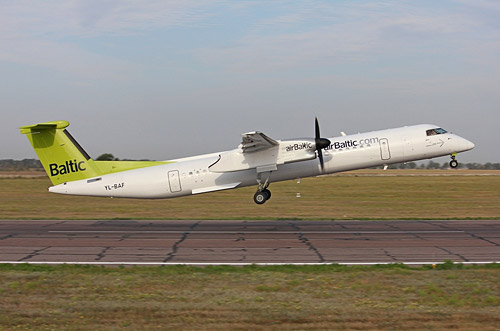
[[255, 151], [256, 141]]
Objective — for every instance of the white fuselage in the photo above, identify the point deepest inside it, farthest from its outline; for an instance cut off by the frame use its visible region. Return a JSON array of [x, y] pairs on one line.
[[193, 175]]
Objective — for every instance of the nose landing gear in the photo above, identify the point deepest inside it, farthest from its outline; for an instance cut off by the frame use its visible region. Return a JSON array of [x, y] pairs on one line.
[[453, 162]]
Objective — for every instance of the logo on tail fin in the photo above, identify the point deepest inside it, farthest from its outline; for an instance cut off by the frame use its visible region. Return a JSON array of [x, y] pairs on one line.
[[66, 168]]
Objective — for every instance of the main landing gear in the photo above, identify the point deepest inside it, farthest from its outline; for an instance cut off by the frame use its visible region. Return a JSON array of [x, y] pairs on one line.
[[453, 162], [262, 194]]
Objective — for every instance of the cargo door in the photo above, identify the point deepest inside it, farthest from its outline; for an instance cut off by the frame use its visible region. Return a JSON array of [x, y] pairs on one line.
[[385, 153], [174, 181]]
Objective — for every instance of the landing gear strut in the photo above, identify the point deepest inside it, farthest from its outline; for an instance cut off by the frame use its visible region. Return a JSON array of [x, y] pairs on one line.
[[262, 194], [453, 162]]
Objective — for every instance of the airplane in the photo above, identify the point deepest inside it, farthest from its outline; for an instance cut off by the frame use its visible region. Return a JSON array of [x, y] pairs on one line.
[[258, 160]]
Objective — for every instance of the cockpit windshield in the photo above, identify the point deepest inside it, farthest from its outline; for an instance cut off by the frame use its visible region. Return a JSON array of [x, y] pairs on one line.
[[433, 132]]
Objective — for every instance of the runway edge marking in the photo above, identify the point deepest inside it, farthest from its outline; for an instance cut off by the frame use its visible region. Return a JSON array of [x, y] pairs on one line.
[[247, 263]]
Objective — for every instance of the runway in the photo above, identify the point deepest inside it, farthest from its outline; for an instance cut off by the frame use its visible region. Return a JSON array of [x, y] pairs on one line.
[[206, 242]]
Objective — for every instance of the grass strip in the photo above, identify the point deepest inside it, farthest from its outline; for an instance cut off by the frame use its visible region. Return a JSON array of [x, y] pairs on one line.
[[251, 297], [327, 197]]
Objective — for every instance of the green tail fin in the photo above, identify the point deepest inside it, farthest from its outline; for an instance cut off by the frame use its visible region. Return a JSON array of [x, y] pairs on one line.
[[62, 157], [65, 160]]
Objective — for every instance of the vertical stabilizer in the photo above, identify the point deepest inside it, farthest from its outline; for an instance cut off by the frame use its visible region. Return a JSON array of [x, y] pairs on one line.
[[62, 157]]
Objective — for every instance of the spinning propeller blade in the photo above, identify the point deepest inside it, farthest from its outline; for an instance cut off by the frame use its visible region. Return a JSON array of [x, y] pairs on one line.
[[321, 143]]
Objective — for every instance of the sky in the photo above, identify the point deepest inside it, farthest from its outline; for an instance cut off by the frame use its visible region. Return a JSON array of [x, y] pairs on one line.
[[167, 79]]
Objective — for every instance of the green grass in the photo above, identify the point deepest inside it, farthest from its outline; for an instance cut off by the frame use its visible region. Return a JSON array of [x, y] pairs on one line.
[[328, 197], [286, 297]]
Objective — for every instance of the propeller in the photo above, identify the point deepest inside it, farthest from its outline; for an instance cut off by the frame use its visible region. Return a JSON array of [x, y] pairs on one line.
[[321, 143]]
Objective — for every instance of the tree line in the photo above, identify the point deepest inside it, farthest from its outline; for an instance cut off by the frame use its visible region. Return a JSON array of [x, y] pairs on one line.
[[35, 165], [20, 165]]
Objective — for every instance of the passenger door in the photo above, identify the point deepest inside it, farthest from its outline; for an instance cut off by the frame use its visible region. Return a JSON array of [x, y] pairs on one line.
[[385, 153], [174, 181]]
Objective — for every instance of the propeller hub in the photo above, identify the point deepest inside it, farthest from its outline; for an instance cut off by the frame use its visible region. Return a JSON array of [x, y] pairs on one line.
[[322, 143]]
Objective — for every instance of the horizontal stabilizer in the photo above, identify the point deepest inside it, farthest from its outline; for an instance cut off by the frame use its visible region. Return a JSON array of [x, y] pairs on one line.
[[44, 126]]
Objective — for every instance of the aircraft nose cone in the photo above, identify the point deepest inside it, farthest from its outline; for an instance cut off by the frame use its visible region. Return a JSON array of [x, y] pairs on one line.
[[468, 145]]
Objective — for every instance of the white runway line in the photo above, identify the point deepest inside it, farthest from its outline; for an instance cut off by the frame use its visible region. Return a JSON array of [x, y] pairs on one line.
[[245, 263], [259, 232]]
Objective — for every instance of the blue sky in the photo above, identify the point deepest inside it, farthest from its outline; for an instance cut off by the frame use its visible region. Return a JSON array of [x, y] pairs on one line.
[[165, 79]]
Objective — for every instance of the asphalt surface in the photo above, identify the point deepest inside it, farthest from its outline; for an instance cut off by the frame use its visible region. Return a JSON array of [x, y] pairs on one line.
[[241, 242]]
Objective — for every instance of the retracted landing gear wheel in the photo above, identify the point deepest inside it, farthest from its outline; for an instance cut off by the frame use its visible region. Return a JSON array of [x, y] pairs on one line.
[[260, 197]]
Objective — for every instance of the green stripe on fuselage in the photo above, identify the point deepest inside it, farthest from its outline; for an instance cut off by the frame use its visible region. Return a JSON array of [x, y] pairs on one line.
[[108, 167]]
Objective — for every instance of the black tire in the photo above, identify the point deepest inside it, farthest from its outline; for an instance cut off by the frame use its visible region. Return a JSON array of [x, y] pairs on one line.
[[453, 164], [268, 193], [260, 197]]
